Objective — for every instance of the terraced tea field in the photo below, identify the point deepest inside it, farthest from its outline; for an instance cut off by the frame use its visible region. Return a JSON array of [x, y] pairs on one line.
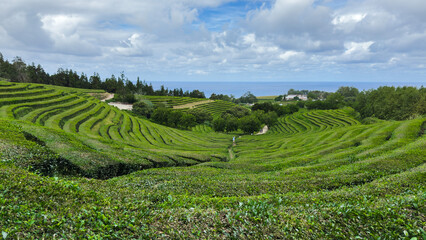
[[315, 175], [116, 136], [169, 101], [217, 107]]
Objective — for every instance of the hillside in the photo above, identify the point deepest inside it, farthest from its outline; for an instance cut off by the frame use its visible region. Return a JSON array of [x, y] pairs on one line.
[[110, 140], [214, 107], [315, 175], [170, 101]]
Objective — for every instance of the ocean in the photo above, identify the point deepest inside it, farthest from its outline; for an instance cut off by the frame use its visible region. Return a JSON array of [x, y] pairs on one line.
[[237, 89]]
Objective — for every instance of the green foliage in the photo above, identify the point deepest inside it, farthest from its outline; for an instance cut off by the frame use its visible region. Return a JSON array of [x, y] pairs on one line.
[[88, 170], [219, 124], [174, 118], [231, 124], [223, 97], [216, 108], [187, 121], [201, 115], [392, 103], [248, 97], [249, 124], [125, 98], [237, 111], [168, 101], [143, 109], [279, 98]]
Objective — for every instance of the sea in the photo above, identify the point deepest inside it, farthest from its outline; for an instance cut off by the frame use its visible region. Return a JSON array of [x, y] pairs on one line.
[[237, 89]]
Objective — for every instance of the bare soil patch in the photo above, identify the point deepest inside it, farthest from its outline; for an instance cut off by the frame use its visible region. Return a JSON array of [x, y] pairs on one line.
[[192, 105]]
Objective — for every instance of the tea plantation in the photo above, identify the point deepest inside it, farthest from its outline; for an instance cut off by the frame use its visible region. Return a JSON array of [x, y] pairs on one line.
[[72, 167]]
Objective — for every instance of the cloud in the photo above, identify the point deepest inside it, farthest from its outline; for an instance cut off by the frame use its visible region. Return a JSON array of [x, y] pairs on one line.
[[26, 29], [357, 51], [291, 17], [65, 34], [348, 22], [134, 46], [289, 54], [172, 37]]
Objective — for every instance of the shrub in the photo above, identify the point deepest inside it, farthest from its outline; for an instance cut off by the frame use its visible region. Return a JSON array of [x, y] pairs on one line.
[[250, 124], [219, 124], [143, 109]]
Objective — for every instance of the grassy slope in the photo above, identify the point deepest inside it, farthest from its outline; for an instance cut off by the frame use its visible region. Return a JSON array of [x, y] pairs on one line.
[[101, 140], [215, 107], [317, 175], [170, 101]]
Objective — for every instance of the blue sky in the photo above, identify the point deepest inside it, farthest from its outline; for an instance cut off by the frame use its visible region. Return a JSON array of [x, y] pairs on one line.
[[222, 40]]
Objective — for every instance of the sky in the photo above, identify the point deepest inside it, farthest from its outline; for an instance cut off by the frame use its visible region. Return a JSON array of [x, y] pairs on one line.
[[221, 40]]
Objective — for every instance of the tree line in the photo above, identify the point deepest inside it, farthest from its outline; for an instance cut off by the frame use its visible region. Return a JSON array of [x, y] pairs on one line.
[[173, 118], [19, 71], [387, 103], [241, 118], [247, 97]]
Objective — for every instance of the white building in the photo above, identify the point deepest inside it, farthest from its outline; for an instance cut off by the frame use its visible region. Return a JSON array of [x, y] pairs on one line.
[[301, 97]]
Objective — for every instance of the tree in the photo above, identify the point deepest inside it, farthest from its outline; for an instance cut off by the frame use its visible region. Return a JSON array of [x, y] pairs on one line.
[[266, 106], [160, 115], [110, 84], [197, 94], [95, 81], [349, 94], [223, 97], [20, 67], [143, 109], [173, 118], [270, 118], [248, 97], [231, 124], [187, 121], [219, 124], [279, 98], [249, 124], [291, 108], [201, 115], [237, 111], [334, 101], [391, 103]]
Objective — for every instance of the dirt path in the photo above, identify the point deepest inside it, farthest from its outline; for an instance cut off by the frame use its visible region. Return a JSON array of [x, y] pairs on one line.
[[192, 105], [122, 106], [231, 153], [263, 131], [108, 97], [102, 96]]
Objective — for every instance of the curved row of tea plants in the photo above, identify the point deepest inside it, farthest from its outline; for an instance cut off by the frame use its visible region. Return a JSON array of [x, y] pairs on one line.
[[313, 121], [361, 181], [217, 107], [170, 101], [325, 177], [115, 136]]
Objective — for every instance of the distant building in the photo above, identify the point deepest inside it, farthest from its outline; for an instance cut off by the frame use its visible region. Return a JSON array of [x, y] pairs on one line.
[[301, 97]]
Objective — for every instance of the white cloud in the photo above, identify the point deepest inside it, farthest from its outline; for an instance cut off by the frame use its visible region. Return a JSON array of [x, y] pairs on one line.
[[289, 54], [357, 51], [134, 46], [173, 36], [285, 16], [349, 18], [64, 31], [249, 38], [348, 22]]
